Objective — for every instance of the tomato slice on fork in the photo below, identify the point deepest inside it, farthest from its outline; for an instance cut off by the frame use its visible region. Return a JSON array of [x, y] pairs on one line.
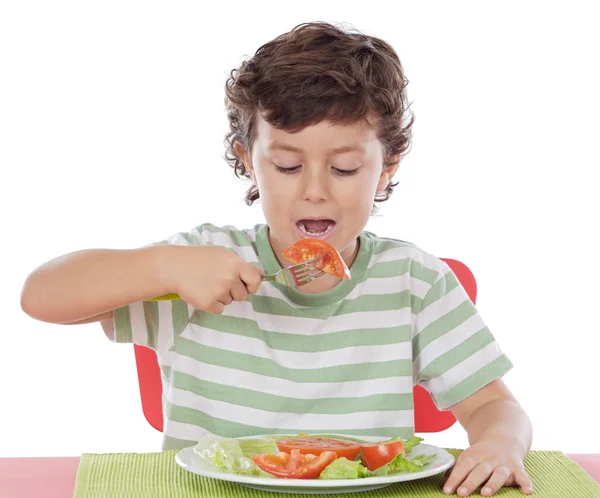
[[331, 261]]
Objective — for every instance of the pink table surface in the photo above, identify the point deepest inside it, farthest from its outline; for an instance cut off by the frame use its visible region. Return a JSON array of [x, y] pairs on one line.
[[54, 477]]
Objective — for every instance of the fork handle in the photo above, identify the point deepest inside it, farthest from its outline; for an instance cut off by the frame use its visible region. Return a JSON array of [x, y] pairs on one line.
[[165, 297], [174, 297]]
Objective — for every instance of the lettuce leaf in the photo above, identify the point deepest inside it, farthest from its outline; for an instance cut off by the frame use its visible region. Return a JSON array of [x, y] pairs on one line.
[[226, 455], [409, 444], [342, 468], [401, 464]]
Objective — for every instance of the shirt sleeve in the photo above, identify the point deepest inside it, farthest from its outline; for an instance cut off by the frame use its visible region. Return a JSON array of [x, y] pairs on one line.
[[155, 324], [158, 324], [454, 352]]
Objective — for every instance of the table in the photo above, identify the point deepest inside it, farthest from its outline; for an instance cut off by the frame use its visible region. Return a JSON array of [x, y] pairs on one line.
[[54, 477]]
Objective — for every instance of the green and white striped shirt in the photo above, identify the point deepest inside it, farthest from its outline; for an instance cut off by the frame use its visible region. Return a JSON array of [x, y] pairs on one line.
[[340, 361]]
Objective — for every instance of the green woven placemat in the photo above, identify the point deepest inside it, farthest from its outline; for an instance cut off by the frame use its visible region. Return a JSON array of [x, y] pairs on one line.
[[156, 475]]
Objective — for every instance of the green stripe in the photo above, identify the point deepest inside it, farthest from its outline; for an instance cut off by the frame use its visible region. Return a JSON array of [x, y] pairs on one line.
[[267, 367], [179, 313], [192, 238], [388, 269], [423, 273], [378, 302], [152, 322], [276, 306], [305, 343], [166, 371], [238, 237], [122, 323], [473, 382], [225, 428], [399, 267], [382, 244], [457, 355], [440, 288], [274, 403], [172, 443], [365, 303], [443, 325]]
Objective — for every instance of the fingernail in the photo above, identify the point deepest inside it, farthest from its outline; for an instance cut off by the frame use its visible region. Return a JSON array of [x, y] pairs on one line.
[[486, 490], [447, 490], [462, 491]]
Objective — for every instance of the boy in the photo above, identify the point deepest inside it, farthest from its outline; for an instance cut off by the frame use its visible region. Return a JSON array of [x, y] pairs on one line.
[[319, 123]]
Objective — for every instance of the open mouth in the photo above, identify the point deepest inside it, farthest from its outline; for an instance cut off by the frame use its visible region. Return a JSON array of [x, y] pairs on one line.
[[315, 228]]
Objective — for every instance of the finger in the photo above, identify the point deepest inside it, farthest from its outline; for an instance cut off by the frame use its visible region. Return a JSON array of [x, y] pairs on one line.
[[460, 471], [523, 480], [225, 297], [238, 291], [252, 277], [214, 307], [498, 479], [479, 475]]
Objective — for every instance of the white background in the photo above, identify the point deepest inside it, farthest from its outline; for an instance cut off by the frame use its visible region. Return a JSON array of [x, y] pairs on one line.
[[111, 135]]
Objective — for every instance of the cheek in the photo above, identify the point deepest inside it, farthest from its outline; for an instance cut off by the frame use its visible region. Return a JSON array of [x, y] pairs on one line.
[[272, 196], [361, 194]]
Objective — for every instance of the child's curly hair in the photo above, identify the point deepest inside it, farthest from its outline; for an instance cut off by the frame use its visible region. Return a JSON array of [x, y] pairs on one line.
[[314, 72]]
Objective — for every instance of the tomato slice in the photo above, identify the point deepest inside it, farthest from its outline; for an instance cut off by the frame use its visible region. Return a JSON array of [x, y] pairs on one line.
[[377, 455], [294, 465], [318, 445], [331, 261]]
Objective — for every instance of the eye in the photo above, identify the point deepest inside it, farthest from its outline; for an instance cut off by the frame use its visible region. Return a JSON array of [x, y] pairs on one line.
[[287, 171], [345, 172]]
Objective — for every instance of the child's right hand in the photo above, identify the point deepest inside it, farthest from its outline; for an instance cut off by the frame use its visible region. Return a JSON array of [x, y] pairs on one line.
[[210, 277]]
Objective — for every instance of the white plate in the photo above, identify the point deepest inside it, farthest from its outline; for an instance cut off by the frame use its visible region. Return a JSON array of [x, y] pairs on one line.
[[187, 459]]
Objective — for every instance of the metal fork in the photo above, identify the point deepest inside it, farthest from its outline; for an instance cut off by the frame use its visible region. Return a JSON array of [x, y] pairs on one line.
[[292, 276], [296, 275]]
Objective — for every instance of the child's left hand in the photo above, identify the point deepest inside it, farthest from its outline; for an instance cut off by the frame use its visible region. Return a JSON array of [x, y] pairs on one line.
[[489, 463]]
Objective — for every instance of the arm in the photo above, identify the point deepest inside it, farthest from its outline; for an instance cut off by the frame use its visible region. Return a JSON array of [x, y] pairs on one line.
[[493, 413], [500, 435], [85, 286]]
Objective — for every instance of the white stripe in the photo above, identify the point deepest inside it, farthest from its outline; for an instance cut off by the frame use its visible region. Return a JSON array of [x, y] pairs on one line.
[[448, 341], [224, 239], [165, 326], [267, 289], [441, 307], [464, 369], [408, 251], [177, 239], [220, 239], [371, 286], [316, 326], [354, 355], [393, 254], [282, 387], [139, 329], [179, 430], [289, 421], [390, 285]]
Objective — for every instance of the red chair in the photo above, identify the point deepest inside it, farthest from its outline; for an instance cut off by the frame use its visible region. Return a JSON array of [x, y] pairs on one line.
[[427, 417]]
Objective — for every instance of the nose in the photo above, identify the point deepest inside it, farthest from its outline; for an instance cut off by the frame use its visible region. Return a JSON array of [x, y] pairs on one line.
[[315, 188]]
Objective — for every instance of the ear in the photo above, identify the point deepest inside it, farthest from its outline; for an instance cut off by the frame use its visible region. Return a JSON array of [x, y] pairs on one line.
[[388, 172], [244, 156]]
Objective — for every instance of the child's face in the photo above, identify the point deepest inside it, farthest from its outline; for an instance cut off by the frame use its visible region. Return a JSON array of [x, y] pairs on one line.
[[326, 190]]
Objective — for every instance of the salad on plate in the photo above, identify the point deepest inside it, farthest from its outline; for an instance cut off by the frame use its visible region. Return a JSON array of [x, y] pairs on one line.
[[311, 457]]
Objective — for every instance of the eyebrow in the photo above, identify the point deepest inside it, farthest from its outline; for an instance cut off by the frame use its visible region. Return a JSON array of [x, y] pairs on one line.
[[338, 150]]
